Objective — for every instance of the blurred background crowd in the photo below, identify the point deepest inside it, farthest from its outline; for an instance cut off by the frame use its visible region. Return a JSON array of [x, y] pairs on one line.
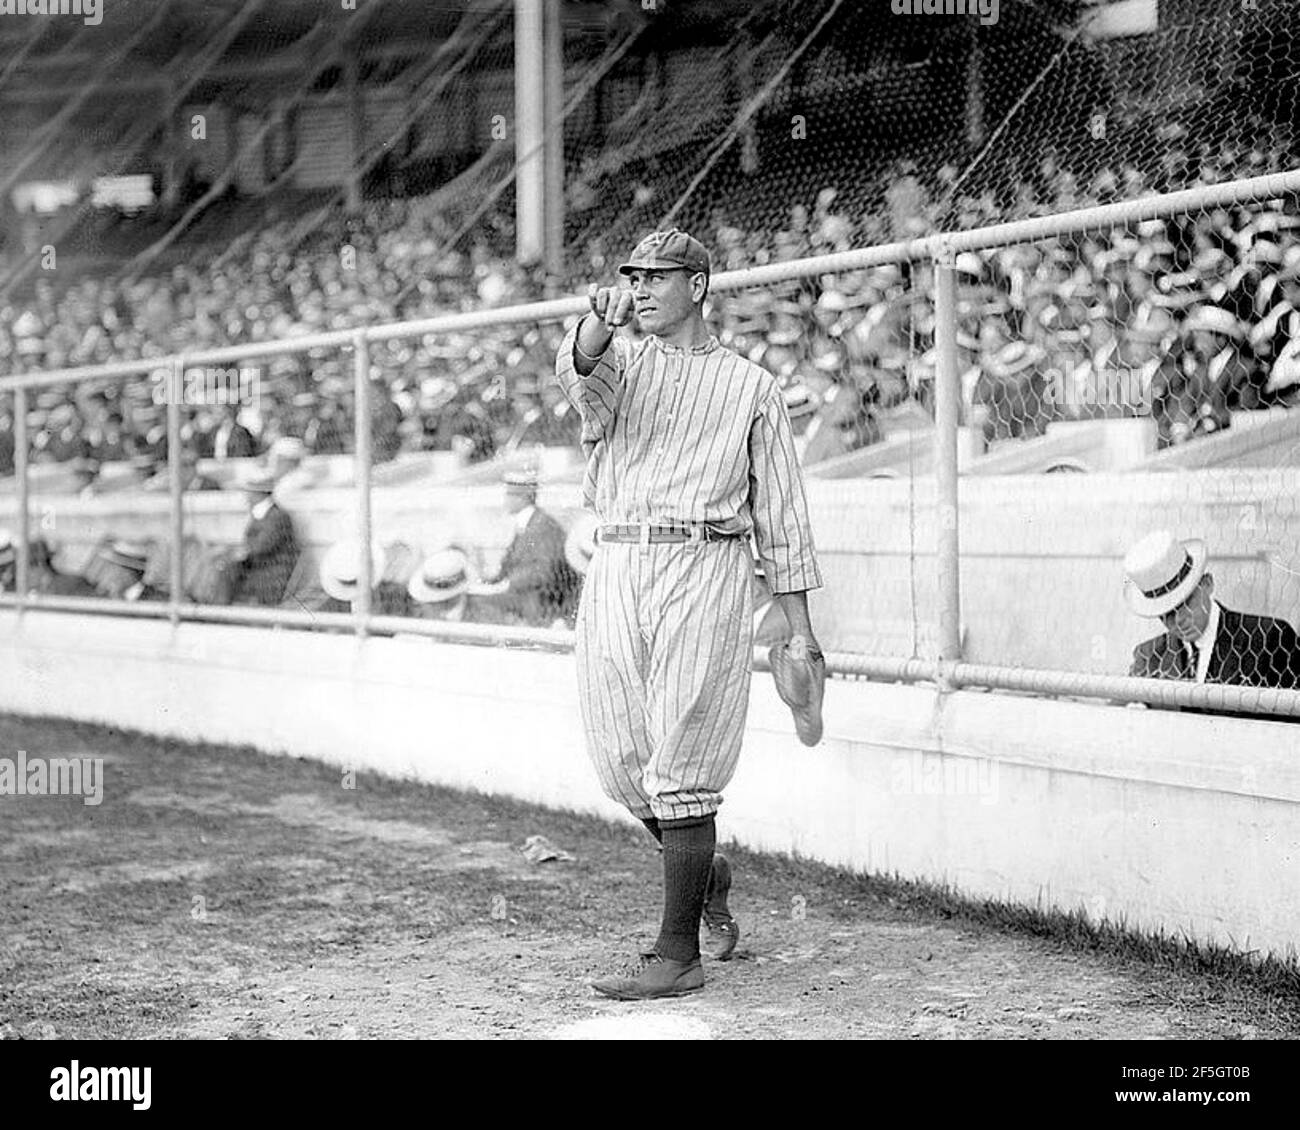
[[1199, 310]]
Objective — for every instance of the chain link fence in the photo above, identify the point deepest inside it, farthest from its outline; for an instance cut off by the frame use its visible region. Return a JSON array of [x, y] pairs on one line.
[[989, 420]]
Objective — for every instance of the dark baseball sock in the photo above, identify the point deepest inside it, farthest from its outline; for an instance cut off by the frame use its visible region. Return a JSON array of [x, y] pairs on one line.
[[688, 860], [652, 826]]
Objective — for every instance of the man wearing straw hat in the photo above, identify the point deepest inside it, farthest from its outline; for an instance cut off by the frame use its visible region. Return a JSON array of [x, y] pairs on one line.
[[1202, 641], [260, 569], [535, 584], [689, 450]]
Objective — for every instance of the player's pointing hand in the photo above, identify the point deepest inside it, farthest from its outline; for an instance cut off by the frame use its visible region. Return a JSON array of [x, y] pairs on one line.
[[611, 304]]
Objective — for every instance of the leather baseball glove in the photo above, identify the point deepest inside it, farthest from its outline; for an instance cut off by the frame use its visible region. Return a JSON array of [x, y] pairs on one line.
[[799, 671]]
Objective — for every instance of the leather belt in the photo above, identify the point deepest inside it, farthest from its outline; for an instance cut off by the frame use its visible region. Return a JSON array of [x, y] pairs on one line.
[[653, 533]]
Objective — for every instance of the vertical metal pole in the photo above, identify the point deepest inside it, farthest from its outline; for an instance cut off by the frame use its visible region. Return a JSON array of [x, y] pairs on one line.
[[20, 473], [356, 128], [175, 391], [947, 415], [361, 385], [171, 184], [530, 121], [553, 194]]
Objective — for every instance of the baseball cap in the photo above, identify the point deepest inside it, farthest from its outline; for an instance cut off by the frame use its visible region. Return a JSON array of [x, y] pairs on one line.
[[667, 250]]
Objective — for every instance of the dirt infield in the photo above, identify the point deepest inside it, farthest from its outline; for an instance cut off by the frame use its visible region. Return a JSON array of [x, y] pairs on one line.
[[218, 893]]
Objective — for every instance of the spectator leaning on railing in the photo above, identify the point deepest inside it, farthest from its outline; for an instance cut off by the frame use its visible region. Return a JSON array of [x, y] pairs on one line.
[[1203, 641]]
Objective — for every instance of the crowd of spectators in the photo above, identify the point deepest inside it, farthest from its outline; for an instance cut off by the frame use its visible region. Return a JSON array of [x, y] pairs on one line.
[[1203, 309]]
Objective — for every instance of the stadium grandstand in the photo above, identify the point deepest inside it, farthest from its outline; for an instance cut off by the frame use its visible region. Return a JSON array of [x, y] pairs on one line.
[[202, 173], [187, 177]]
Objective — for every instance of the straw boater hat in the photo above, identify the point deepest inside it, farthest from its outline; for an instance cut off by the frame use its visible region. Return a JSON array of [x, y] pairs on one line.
[[1161, 572], [443, 576], [521, 481], [799, 400], [128, 554], [341, 564], [1214, 320], [259, 482], [580, 545]]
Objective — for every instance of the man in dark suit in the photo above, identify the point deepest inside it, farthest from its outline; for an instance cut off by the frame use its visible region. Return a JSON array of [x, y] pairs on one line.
[[1203, 641], [536, 584], [6, 444], [262, 566], [231, 440]]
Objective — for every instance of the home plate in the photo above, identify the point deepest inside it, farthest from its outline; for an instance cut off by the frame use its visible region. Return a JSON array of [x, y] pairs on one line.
[[638, 1026]]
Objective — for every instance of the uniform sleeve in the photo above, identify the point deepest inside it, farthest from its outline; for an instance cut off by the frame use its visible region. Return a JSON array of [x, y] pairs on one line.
[[782, 529], [597, 395]]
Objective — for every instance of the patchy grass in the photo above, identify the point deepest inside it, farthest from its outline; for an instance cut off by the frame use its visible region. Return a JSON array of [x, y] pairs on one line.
[[221, 892]]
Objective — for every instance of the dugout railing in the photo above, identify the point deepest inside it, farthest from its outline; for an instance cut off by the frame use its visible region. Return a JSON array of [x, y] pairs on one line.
[[939, 254]]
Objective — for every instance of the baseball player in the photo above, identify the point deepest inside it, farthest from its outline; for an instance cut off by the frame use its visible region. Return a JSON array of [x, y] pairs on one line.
[[689, 451]]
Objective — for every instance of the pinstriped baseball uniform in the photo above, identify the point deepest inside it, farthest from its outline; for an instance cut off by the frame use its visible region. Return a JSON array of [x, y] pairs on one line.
[[664, 632]]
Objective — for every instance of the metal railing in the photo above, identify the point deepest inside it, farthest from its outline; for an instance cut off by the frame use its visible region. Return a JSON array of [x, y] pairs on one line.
[[947, 669]]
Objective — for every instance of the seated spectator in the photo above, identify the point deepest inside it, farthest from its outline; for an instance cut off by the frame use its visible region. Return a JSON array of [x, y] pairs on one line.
[[107, 436], [8, 561], [147, 465], [439, 588], [192, 479], [285, 457], [385, 424], [536, 584], [327, 432], [160, 479], [260, 569], [1203, 642], [85, 476], [231, 440], [148, 437], [6, 444], [472, 439], [62, 438], [121, 569]]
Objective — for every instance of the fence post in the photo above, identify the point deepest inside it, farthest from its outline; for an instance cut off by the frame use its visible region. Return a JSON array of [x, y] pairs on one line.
[[20, 473], [947, 416], [361, 387], [175, 387]]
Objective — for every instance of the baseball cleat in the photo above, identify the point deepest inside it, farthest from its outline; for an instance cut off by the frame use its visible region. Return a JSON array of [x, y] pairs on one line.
[[723, 933], [656, 977]]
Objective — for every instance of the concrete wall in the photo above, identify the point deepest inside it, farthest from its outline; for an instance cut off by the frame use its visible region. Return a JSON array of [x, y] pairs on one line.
[[1041, 570], [1165, 821]]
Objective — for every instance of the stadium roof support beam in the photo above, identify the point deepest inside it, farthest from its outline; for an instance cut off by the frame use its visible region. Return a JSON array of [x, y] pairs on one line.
[[538, 129], [356, 129], [553, 54]]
